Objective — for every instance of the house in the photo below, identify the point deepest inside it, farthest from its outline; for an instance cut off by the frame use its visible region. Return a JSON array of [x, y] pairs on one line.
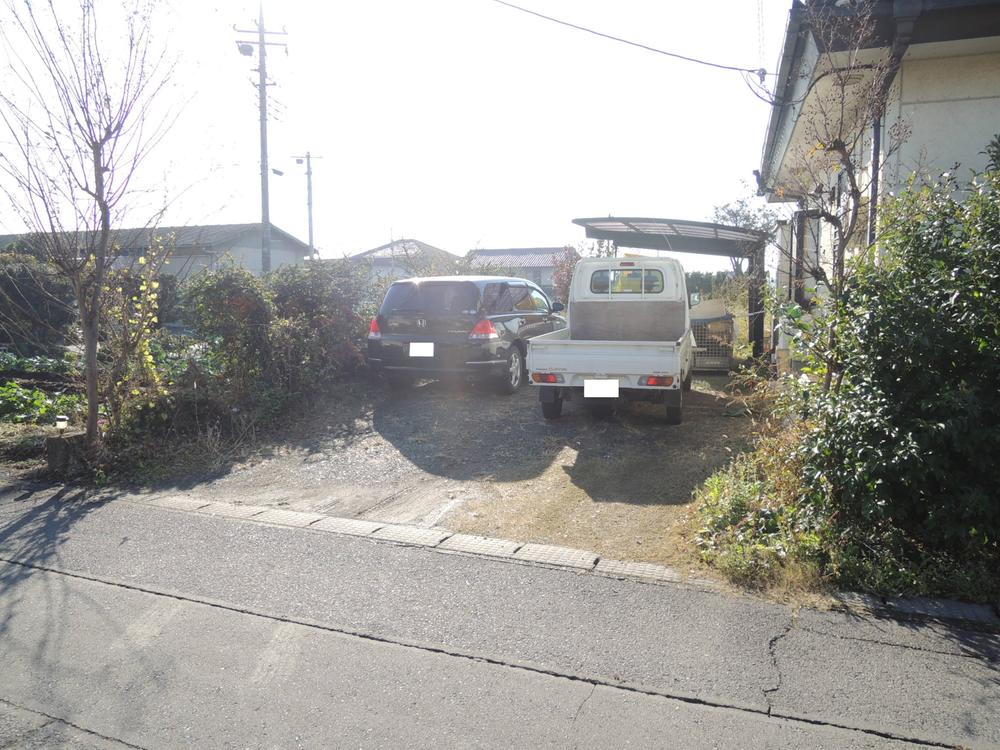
[[936, 66], [532, 263], [195, 248], [401, 258]]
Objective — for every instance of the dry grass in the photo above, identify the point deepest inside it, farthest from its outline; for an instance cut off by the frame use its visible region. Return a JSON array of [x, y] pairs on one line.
[[22, 449]]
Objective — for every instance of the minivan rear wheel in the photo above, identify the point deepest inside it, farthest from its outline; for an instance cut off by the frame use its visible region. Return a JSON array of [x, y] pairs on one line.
[[513, 377]]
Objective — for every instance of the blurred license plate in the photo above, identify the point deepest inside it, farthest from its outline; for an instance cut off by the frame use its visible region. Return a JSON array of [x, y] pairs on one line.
[[600, 388], [421, 350]]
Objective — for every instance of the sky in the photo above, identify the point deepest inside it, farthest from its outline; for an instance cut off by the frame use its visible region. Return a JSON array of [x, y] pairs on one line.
[[463, 123]]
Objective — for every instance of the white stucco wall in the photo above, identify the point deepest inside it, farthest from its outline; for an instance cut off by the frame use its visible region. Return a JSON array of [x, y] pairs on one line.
[[246, 253], [952, 105]]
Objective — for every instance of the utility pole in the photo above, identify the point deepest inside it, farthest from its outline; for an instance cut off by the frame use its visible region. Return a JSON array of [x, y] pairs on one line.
[[309, 194], [246, 48]]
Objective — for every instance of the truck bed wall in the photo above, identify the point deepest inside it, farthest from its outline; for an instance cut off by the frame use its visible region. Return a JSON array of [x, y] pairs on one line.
[[598, 320]]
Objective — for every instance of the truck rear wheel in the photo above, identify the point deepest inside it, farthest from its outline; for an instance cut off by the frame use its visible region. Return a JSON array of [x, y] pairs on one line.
[[686, 383], [552, 409], [674, 415]]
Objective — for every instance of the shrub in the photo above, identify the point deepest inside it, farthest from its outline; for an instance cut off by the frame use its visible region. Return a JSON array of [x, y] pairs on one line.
[[231, 310], [907, 436], [884, 480], [317, 331], [37, 309]]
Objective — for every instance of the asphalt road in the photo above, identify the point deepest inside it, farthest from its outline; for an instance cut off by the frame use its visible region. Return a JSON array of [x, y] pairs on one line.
[[122, 623]]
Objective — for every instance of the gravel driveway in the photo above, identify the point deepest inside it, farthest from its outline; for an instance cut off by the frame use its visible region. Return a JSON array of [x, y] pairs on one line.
[[462, 456]]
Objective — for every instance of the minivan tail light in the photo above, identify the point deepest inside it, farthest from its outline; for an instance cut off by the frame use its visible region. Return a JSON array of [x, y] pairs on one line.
[[374, 332], [484, 330]]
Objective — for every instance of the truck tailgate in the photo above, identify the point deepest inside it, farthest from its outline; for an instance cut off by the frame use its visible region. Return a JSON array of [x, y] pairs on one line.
[[578, 360]]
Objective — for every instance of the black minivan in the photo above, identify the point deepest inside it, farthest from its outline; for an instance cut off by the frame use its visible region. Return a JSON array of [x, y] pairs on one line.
[[471, 325]]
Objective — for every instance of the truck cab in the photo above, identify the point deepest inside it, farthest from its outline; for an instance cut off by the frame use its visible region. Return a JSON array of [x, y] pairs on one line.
[[629, 336]]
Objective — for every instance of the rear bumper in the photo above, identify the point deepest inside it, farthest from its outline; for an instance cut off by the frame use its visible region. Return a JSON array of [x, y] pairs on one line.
[[551, 393], [469, 368]]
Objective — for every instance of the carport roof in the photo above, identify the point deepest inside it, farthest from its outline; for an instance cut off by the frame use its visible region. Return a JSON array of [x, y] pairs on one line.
[[674, 234]]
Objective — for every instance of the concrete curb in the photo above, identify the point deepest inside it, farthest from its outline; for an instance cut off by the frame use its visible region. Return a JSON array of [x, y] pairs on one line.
[[979, 616]]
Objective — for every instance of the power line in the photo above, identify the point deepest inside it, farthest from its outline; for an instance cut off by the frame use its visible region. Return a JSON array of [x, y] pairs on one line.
[[758, 71]]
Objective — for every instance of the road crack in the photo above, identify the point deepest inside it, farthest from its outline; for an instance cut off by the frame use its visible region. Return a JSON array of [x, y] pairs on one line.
[[57, 721], [583, 703], [772, 650]]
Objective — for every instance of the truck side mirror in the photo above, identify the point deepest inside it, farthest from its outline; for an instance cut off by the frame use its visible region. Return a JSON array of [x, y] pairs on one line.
[[694, 298], [558, 307]]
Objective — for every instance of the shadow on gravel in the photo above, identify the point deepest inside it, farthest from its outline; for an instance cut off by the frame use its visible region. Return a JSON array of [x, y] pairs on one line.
[[464, 431]]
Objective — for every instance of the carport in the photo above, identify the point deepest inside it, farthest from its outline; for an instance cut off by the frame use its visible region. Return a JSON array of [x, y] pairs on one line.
[[694, 237]]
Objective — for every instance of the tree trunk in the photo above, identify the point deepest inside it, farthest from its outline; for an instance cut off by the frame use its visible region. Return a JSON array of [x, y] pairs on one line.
[[88, 322]]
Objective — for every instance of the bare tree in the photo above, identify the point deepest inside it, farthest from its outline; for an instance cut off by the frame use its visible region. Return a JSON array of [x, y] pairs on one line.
[[76, 100], [836, 164], [748, 212]]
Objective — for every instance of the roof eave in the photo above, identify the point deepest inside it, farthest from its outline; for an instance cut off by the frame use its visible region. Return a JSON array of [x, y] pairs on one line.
[[791, 55]]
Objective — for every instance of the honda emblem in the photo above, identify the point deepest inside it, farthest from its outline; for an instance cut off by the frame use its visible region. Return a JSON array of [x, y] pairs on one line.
[[421, 323]]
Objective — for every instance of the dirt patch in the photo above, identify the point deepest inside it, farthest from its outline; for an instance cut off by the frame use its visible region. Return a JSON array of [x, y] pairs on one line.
[[620, 487], [22, 450]]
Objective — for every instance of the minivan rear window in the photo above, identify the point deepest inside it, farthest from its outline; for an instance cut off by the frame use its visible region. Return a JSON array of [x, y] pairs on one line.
[[454, 297], [627, 281]]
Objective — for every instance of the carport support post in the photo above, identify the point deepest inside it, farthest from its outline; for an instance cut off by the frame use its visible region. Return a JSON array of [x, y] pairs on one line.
[[755, 300]]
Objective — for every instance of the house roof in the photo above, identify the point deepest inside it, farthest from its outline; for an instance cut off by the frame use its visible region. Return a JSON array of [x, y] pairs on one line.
[[516, 257], [405, 248], [204, 237]]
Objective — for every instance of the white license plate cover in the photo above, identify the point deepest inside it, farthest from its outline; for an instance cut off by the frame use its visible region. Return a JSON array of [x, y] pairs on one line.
[[600, 388]]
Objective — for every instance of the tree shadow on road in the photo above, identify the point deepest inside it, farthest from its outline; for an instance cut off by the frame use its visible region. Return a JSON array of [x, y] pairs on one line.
[[36, 520]]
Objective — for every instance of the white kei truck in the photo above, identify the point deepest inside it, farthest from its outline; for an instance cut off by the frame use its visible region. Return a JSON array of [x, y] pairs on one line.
[[629, 336]]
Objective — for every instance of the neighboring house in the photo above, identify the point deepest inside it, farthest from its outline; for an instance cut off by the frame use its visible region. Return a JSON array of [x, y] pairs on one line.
[[402, 258], [945, 93], [532, 263], [197, 248]]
